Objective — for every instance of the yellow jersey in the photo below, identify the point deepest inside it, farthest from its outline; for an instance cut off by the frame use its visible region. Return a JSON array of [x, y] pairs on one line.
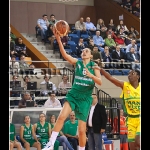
[[131, 99]]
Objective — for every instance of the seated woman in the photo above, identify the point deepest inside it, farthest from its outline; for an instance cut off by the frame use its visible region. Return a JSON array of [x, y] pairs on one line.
[[26, 134]]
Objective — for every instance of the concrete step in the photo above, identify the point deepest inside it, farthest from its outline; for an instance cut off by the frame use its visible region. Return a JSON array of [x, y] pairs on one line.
[[46, 51], [29, 35]]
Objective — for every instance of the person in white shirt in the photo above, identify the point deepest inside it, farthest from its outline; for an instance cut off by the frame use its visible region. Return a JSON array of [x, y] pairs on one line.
[[14, 65], [46, 81], [52, 102]]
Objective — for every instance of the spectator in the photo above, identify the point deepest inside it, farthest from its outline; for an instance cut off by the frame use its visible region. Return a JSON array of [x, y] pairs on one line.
[[64, 85], [61, 137], [20, 47], [110, 43], [50, 35], [136, 10], [43, 131], [80, 46], [46, 81], [128, 6], [14, 65], [121, 32], [120, 40], [100, 24], [22, 102], [134, 58], [70, 130], [52, 102], [23, 66], [110, 31], [12, 138], [26, 79], [96, 124], [134, 32], [80, 27], [12, 45], [123, 26], [133, 44], [106, 56], [13, 53], [64, 41], [28, 136], [91, 44], [90, 27], [135, 2], [123, 130], [128, 39], [103, 32], [119, 56], [112, 25], [52, 19], [99, 41], [42, 25], [31, 69]]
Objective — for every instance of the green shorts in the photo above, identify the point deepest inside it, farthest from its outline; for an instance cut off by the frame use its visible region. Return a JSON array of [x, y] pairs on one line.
[[32, 141], [80, 104]]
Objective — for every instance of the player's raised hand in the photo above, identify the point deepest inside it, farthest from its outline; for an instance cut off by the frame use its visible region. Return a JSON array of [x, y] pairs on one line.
[[56, 34]]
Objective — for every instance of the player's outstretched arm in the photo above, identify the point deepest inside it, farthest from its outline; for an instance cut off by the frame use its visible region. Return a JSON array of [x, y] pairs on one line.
[[112, 79], [67, 57]]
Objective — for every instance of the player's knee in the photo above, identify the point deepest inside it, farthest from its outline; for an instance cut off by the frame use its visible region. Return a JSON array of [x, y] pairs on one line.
[[18, 145], [11, 145], [81, 130], [137, 140]]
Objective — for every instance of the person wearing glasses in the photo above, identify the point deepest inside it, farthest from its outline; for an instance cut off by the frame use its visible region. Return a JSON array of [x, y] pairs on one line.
[[43, 131]]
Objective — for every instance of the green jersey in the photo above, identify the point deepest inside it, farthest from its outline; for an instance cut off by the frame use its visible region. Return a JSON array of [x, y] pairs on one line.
[[70, 128], [83, 84], [27, 133], [43, 131], [12, 132]]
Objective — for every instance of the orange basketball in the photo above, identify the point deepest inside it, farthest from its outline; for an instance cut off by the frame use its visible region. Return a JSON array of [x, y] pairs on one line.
[[61, 27]]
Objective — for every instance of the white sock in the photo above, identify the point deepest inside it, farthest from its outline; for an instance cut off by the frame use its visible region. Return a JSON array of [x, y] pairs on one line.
[[81, 148], [53, 137]]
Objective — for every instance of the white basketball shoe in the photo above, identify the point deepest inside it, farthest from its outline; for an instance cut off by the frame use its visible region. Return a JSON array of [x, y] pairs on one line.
[[48, 146]]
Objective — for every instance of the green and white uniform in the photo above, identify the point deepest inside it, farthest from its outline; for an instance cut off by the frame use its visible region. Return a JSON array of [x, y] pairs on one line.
[[43, 132], [80, 95], [27, 134], [12, 132]]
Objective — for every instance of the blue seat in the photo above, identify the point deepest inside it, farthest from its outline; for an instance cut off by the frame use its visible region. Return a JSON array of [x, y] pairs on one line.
[[71, 42], [126, 72], [85, 36], [117, 72], [108, 141], [75, 39], [72, 35], [69, 51]]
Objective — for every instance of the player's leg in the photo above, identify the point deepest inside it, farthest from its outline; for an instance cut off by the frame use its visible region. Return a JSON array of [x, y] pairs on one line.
[[27, 145], [18, 145], [137, 137], [11, 145], [36, 145]]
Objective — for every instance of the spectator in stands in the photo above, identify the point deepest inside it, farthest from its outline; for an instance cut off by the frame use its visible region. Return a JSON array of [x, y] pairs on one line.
[[42, 25], [90, 27], [46, 81], [31, 69], [128, 39], [13, 52], [80, 46], [23, 65], [50, 35], [13, 37], [61, 137], [119, 56], [122, 33], [97, 56], [11, 44], [70, 130], [52, 102], [64, 85], [135, 2], [91, 44], [99, 41], [123, 26], [28, 136], [20, 47], [111, 25], [64, 41], [26, 79], [133, 44], [110, 31], [136, 10], [14, 65], [106, 56], [110, 43], [134, 58], [80, 27], [22, 102], [43, 131], [96, 124], [12, 137], [100, 24], [103, 32], [52, 19], [134, 32], [120, 40], [128, 6]]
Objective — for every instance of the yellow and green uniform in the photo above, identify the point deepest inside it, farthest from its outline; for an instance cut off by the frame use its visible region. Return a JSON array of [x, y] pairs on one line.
[[70, 128], [131, 104], [12, 132], [80, 95], [43, 132], [27, 134]]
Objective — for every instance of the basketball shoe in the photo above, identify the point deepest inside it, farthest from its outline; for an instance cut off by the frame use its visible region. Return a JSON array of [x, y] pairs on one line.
[[48, 146]]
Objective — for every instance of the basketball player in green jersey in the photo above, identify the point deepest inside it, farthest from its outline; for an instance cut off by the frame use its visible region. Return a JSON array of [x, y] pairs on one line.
[[12, 137], [43, 130], [26, 133], [79, 98]]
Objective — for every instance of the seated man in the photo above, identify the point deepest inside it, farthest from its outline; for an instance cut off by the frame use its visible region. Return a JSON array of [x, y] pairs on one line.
[[42, 25], [44, 92], [70, 130], [22, 102], [52, 20], [52, 102], [80, 46]]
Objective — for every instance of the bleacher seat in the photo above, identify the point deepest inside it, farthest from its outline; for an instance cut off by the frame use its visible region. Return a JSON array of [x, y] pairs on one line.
[[85, 36], [74, 37], [126, 72], [117, 72]]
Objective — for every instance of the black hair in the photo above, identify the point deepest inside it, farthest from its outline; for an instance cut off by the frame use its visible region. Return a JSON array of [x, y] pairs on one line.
[[138, 73], [49, 93], [44, 15], [26, 116], [52, 15]]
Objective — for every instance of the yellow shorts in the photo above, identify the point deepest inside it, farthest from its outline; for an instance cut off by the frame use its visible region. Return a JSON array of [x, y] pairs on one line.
[[134, 127]]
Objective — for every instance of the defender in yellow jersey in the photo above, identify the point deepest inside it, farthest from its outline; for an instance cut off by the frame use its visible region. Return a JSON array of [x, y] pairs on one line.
[[131, 104]]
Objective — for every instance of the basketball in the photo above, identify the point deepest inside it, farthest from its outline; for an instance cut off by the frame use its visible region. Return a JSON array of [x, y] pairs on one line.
[[61, 27]]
